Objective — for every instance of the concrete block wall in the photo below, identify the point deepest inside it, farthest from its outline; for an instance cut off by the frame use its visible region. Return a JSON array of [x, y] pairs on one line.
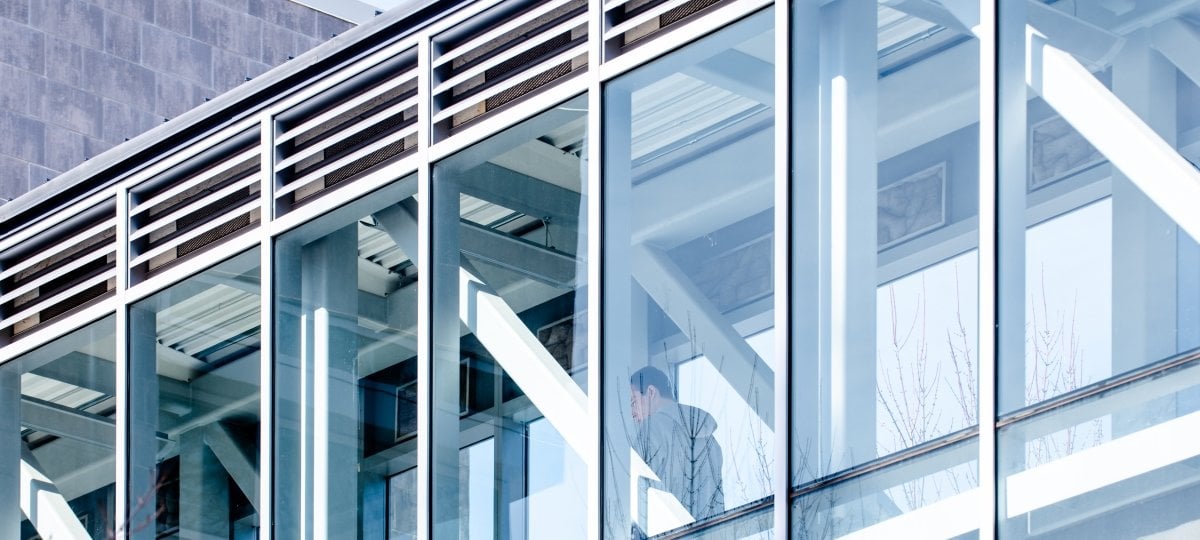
[[78, 77]]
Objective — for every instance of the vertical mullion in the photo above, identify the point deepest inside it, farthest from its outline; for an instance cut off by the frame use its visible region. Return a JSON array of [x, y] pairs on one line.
[[988, 70], [266, 380], [424, 305], [594, 192], [121, 338], [782, 254]]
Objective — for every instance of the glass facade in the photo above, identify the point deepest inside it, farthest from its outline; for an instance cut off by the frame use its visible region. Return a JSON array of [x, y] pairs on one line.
[[668, 269]]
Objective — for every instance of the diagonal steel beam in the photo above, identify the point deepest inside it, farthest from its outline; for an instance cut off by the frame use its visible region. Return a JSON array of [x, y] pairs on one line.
[[1134, 148], [691, 311], [229, 452], [43, 505]]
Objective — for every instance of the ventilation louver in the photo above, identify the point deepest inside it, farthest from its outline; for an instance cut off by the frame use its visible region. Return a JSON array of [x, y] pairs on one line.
[[60, 269], [498, 58], [196, 204], [366, 121]]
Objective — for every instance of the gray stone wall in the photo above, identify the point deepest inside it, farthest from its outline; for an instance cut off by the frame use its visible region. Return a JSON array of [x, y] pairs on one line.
[[78, 77]]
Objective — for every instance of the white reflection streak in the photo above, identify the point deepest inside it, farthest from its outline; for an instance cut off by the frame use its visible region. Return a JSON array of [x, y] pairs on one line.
[[320, 423], [1116, 131], [305, 441], [947, 518], [1100, 466], [838, 259]]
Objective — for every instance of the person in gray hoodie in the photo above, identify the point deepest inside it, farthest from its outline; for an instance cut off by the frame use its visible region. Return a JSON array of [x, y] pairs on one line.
[[677, 442]]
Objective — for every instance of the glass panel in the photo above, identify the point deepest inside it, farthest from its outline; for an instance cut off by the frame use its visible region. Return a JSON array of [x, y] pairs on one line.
[[346, 371], [1098, 404], [885, 269], [61, 398], [1103, 466], [194, 405], [509, 321], [689, 291], [1111, 261]]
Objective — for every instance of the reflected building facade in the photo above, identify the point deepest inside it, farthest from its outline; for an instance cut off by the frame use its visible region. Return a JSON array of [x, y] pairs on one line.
[[665, 269]]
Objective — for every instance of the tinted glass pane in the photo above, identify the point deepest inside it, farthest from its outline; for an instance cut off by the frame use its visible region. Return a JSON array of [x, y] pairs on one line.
[[194, 404], [61, 399], [689, 296], [345, 371], [509, 320]]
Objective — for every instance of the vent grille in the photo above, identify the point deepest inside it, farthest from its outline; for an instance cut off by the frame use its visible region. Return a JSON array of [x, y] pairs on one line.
[[196, 204], [633, 22], [364, 122], [58, 271], [480, 67]]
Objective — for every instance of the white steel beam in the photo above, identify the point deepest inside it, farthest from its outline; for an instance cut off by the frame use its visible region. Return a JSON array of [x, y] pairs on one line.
[[1179, 41], [43, 505], [703, 323], [1142, 155], [239, 466]]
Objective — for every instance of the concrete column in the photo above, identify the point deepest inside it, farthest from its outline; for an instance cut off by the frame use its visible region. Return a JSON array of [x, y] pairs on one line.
[[203, 490], [807, 457], [290, 473], [1012, 171], [143, 423], [10, 452], [444, 379], [510, 476], [1144, 279], [848, 178], [619, 308], [329, 291]]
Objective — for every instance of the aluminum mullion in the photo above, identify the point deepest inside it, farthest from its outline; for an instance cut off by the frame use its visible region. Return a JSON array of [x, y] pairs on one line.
[[180, 187], [595, 274], [509, 54], [121, 338], [424, 293], [266, 357], [360, 125], [783, 272], [509, 82]]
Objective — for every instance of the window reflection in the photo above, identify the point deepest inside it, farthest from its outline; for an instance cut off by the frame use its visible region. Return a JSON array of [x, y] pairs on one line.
[[345, 371], [689, 297], [510, 367], [61, 400], [194, 412]]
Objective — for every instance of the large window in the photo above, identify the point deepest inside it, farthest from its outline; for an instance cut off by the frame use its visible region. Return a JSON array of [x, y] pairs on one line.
[[1100, 280], [59, 471], [885, 297], [510, 344], [689, 292], [194, 405], [345, 370]]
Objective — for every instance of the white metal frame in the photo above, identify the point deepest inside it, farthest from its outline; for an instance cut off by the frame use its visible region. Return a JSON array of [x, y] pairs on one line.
[[1001, 213]]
